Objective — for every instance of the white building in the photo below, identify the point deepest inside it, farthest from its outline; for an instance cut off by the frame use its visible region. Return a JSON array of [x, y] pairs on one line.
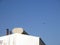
[[20, 39]]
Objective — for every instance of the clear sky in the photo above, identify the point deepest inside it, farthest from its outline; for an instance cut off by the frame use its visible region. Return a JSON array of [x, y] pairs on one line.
[[38, 17]]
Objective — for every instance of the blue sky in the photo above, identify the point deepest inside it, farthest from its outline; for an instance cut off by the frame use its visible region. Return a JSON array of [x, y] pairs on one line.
[[38, 17]]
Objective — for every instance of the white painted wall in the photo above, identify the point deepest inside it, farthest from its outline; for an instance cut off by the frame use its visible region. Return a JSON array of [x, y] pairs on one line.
[[19, 39]]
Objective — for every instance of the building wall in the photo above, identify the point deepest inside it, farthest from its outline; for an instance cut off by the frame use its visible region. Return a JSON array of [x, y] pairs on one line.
[[41, 42], [19, 39]]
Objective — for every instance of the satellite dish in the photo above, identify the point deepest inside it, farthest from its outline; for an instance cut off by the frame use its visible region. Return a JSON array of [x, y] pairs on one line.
[[17, 30]]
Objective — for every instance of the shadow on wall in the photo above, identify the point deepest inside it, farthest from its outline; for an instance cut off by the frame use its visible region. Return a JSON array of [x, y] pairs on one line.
[[41, 42]]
